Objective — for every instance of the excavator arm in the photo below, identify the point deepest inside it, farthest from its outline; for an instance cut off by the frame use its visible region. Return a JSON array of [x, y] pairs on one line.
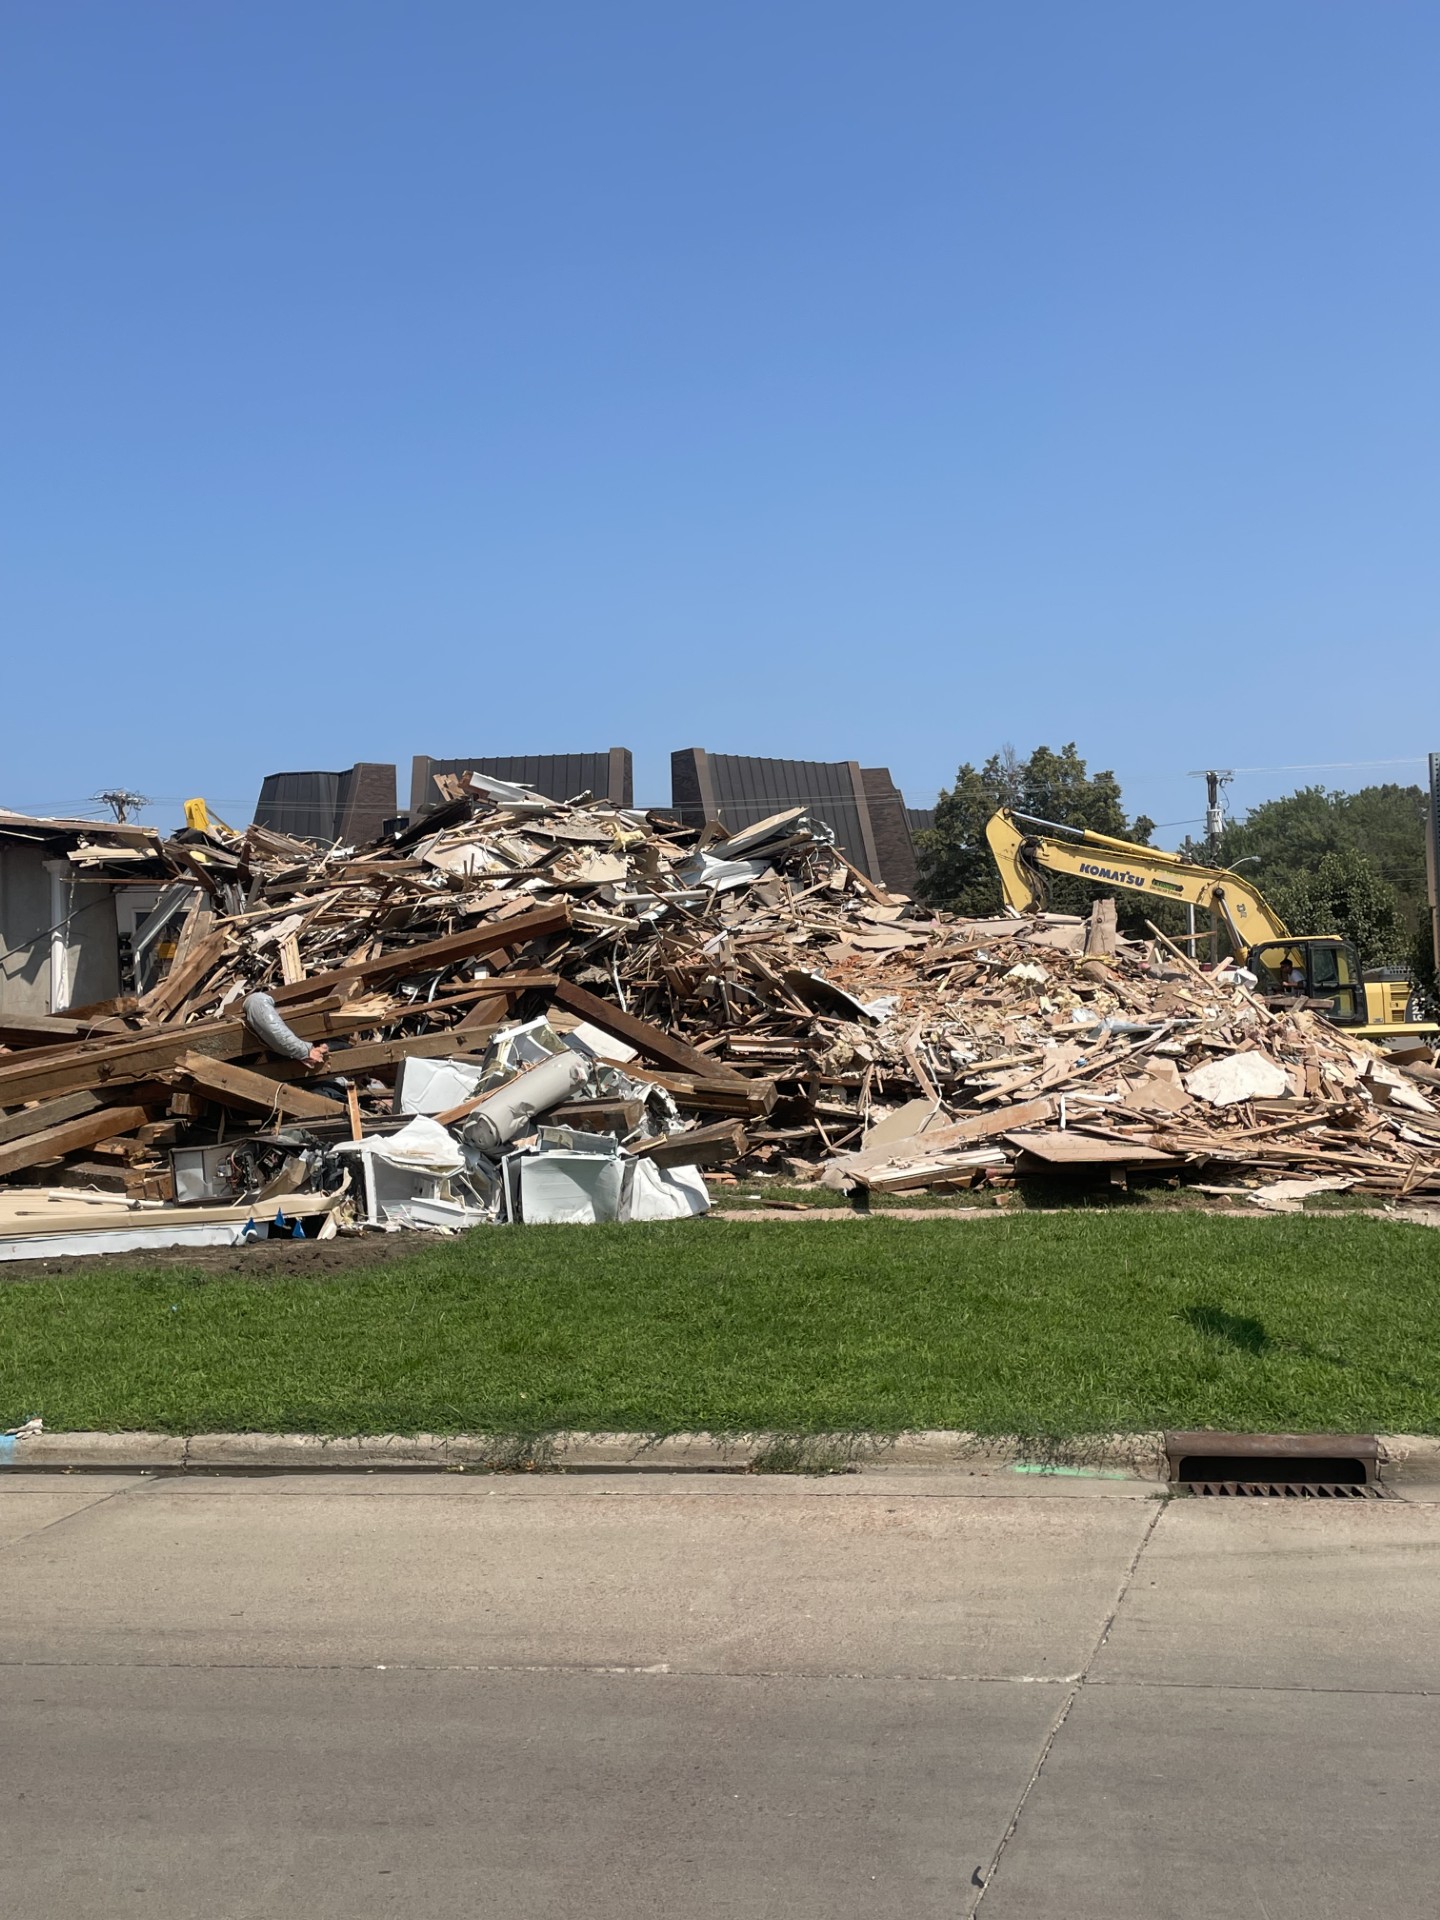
[[1026, 848], [1023, 846]]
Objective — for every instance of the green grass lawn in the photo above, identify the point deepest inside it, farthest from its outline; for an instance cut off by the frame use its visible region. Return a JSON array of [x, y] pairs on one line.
[[1041, 1325]]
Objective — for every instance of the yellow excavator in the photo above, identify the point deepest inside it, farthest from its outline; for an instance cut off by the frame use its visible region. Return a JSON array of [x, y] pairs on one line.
[[1322, 970]]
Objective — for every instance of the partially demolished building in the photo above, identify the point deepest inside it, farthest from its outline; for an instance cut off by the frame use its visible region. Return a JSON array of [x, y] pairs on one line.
[[520, 1010], [559, 776], [861, 805]]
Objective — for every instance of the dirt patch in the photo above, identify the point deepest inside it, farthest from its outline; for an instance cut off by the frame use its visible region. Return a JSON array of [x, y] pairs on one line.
[[269, 1259]]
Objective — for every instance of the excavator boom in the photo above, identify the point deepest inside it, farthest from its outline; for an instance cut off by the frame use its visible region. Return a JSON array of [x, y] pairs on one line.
[[1021, 844], [1320, 969]]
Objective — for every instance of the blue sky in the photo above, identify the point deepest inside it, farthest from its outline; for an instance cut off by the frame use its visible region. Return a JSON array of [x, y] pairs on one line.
[[836, 380]]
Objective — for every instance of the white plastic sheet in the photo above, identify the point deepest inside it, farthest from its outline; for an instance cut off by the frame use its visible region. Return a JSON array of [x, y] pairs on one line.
[[663, 1193]]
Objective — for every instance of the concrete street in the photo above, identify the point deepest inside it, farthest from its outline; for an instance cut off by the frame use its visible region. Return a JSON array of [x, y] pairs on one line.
[[905, 1693]]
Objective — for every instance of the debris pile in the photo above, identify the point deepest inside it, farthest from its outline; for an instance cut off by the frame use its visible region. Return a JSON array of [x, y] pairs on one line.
[[519, 1009]]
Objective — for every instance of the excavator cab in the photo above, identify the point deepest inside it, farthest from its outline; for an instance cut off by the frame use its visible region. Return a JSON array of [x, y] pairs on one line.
[[1323, 972]]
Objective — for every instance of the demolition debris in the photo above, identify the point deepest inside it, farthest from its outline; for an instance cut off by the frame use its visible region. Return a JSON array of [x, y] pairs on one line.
[[520, 1010]]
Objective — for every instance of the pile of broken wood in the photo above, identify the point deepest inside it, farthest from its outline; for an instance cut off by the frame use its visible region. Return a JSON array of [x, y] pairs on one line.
[[803, 1021]]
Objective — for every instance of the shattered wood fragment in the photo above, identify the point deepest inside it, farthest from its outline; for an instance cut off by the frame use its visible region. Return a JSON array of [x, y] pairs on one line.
[[651, 1042]]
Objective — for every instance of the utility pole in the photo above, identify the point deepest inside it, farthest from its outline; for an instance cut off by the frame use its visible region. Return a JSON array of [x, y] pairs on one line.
[[1216, 780], [121, 803]]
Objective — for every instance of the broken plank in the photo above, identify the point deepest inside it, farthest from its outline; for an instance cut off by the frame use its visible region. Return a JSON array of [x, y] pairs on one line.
[[379, 1054], [232, 1086], [121, 1062], [753, 1098], [1075, 1149], [184, 977], [1101, 934], [652, 1043], [434, 955], [960, 1133], [620, 1117], [700, 1147], [936, 1170], [51, 1142], [49, 1113], [31, 1030]]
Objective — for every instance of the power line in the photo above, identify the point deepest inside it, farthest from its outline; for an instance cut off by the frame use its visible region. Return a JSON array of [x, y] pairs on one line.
[[1336, 766]]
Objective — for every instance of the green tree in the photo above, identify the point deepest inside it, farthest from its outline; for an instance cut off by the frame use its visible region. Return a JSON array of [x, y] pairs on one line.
[[956, 870], [1343, 893], [1331, 862]]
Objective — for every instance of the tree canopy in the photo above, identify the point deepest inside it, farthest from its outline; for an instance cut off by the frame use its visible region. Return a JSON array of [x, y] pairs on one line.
[[1351, 863], [956, 870]]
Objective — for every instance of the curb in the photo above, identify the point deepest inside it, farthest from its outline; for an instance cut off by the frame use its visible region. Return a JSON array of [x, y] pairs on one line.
[[1141, 1455]]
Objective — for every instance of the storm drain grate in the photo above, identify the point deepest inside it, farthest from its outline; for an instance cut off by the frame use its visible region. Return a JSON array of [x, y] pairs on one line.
[[1276, 1466], [1286, 1489]]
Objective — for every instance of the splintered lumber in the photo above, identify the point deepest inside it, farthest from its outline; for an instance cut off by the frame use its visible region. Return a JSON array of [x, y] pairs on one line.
[[49, 1113], [183, 977], [116, 1063], [374, 1057], [936, 1170], [232, 1086], [650, 1042], [754, 1098], [52, 1142], [802, 1002], [698, 1147], [433, 955], [52, 1029], [942, 1141], [1076, 1149]]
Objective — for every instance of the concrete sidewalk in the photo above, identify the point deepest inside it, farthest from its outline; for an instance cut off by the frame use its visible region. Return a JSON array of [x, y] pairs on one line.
[[904, 1692]]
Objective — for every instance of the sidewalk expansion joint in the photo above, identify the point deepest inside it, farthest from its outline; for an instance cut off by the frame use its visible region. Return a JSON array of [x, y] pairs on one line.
[[983, 1878]]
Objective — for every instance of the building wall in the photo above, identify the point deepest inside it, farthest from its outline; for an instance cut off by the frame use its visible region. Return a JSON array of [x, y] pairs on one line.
[[737, 790], [890, 825], [24, 917], [302, 804], [31, 905], [92, 946], [559, 776], [365, 802], [349, 806]]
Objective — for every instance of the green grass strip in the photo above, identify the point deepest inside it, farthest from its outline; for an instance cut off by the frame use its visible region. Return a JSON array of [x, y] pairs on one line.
[[1049, 1325]]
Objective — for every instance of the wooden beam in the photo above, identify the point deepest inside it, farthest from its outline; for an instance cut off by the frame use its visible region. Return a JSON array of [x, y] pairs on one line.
[[651, 1043], [51, 1142], [701, 1147], [50, 1113], [54, 1029], [118, 1063], [232, 1086], [454, 1041], [434, 955], [750, 1098]]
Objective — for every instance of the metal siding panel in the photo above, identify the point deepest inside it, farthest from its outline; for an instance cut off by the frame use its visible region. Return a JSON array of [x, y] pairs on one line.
[[304, 804]]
